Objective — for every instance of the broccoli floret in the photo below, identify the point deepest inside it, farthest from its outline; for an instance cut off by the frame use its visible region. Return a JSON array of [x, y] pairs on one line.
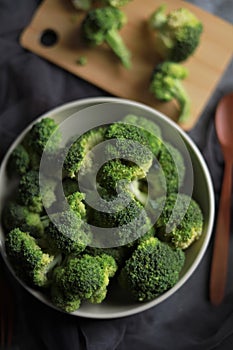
[[102, 25], [67, 233], [75, 201], [151, 131], [68, 302], [76, 159], [19, 161], [124, 213], [120, 254], [15, 215], [172, 164], [166, 86], [184, 223], [115, 175], [84, 278], [177, 33], [34, 196], [40, 136], [129, 143], [29, 191], [27, 258], [153, 268]]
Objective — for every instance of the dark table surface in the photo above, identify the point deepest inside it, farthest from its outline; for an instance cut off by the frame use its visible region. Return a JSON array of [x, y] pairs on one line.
[[29, 86]]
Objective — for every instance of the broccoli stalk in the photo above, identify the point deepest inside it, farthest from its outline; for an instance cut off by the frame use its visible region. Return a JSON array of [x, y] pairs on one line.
[[177, 34], [166, 86], [115, 3], [102, 25], [82, 4]]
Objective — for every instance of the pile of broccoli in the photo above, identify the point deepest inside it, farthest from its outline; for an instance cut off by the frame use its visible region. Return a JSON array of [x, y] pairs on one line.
[[177, 35], [53, 251]]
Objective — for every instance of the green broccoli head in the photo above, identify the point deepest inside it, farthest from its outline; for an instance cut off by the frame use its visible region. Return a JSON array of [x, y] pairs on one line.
[[19, 162], [153, 268], [84, 278], [123, 213], [166, 85], [150, 129], [40, 136], [75, 201], [29, 191], [172, 173], [120, 254], [115, 175], [129, 142], [67, 233], [184, 222], [34, 196], [64, 301], [29, 261], [78, 158], [177, 34], [102, 25], [15, 215]]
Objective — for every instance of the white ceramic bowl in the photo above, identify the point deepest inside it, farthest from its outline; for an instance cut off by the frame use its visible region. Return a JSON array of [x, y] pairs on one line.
[[117, 304]]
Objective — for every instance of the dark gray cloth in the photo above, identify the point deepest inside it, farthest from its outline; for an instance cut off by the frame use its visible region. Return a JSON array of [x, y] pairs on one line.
[[30, 86]]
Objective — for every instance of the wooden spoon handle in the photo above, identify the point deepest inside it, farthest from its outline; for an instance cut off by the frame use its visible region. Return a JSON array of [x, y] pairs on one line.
[[218, 275]]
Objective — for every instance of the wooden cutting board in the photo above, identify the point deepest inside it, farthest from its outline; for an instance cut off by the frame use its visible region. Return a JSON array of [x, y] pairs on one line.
[[103, 68]]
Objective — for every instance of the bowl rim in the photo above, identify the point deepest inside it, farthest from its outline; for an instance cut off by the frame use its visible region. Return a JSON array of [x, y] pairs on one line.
[[88, 102]]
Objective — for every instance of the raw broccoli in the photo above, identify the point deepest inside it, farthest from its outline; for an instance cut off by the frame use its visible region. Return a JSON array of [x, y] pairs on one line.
[[32, 195], [84, 278], [15, 215], [177, 33], [180, 226], [151, 131], [75, 201], [76, 159], [129, 143], [166, 86], [67, 233], [115, 175], [153, 268], [172, 167], [19, 161], [102, 25], [42, 134], [120, 254], [29, 261], [124, 213]]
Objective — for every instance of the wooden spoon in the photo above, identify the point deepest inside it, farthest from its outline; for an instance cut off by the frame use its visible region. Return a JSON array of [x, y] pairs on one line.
[[224, 129]]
